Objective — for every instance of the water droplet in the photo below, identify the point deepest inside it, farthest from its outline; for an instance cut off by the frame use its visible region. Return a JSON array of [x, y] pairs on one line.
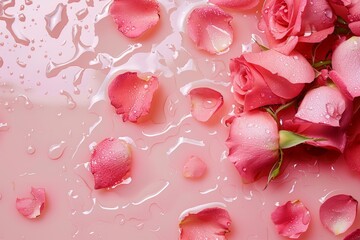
[[70, 101], [22, 17], [20, 63], [328, 13], [296, 57], [57, 150], [82, 14], [28, 2], [4, 127], [31, 150], [244, 169], [1, 62], [56, 20]]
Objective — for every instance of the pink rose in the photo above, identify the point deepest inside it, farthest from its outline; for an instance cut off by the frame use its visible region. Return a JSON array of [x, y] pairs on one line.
[[288, 22], [253, 144], [268, 77]]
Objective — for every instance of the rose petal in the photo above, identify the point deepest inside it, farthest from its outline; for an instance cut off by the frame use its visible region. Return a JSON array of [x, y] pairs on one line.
[[338, 213], [194, 168], [110, 162], [355, 235], [204, 103], [237, 4], [131, 95], [253, 144], [323, 105], [135, 17], [291, 219], [346, 62], [210, 224], [293, 67], [352, 149], [32, 207], [209, 28]]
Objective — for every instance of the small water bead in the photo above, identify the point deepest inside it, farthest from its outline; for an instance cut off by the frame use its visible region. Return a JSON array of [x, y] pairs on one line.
[[31, 150], [3, 127], [56, 150]]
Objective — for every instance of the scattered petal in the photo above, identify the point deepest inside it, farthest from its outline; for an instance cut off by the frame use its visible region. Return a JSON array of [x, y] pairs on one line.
[[110, 162], [194, 167], [131, 95], [345, 63], [210, 223], [253, 144], [329, 108], [209, 28], [291, 219], [204, 103], [355, 235], [338, 213], [32, 207], [236, 4], [135, 17]]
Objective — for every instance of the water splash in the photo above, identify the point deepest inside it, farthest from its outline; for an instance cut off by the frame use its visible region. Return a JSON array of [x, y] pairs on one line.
[[9, 20], [56, 20], [71, 104]]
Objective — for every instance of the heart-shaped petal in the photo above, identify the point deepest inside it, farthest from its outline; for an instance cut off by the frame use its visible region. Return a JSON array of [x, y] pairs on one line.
[[194, 167], [338, 213], [110, 162], [236, 4], [209, 28], [345, 62], [291, 219], [32, 207], [210, 224], [131, 95], [323, 105], [204, 103], [135, 17]]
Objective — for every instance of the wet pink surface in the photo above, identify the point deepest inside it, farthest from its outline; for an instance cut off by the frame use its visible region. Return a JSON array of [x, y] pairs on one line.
[[54, 108]]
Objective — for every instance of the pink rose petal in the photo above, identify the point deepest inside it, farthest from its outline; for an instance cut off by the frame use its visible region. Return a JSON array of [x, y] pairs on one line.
[[323, 105], [210, 224], [194, 167], [355, 235], [345, 63], [32, 207], [135, 17], [236, 4], [209, 28], [291, 219], [110, 162], [338, 213], [131, 95], [253, 144], [204, 103]]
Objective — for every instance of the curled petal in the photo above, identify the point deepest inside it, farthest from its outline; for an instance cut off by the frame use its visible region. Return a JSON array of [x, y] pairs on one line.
[[110, 162], [194, 168], [355, 235], [204, 103], [32, 207], [338, 213], [345, 63], [291, 219], [131, 95], [293, 67], [209, 28], [236, 4], [210, 223], [253, 144], [135, 17], [323, 105]]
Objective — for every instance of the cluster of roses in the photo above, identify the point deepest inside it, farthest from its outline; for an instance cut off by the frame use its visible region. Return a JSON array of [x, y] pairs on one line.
[[299, 90], [302, 88]]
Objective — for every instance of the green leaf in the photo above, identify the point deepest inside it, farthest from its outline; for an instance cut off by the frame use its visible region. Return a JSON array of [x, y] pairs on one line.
[[290, 139], [275, 170]]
